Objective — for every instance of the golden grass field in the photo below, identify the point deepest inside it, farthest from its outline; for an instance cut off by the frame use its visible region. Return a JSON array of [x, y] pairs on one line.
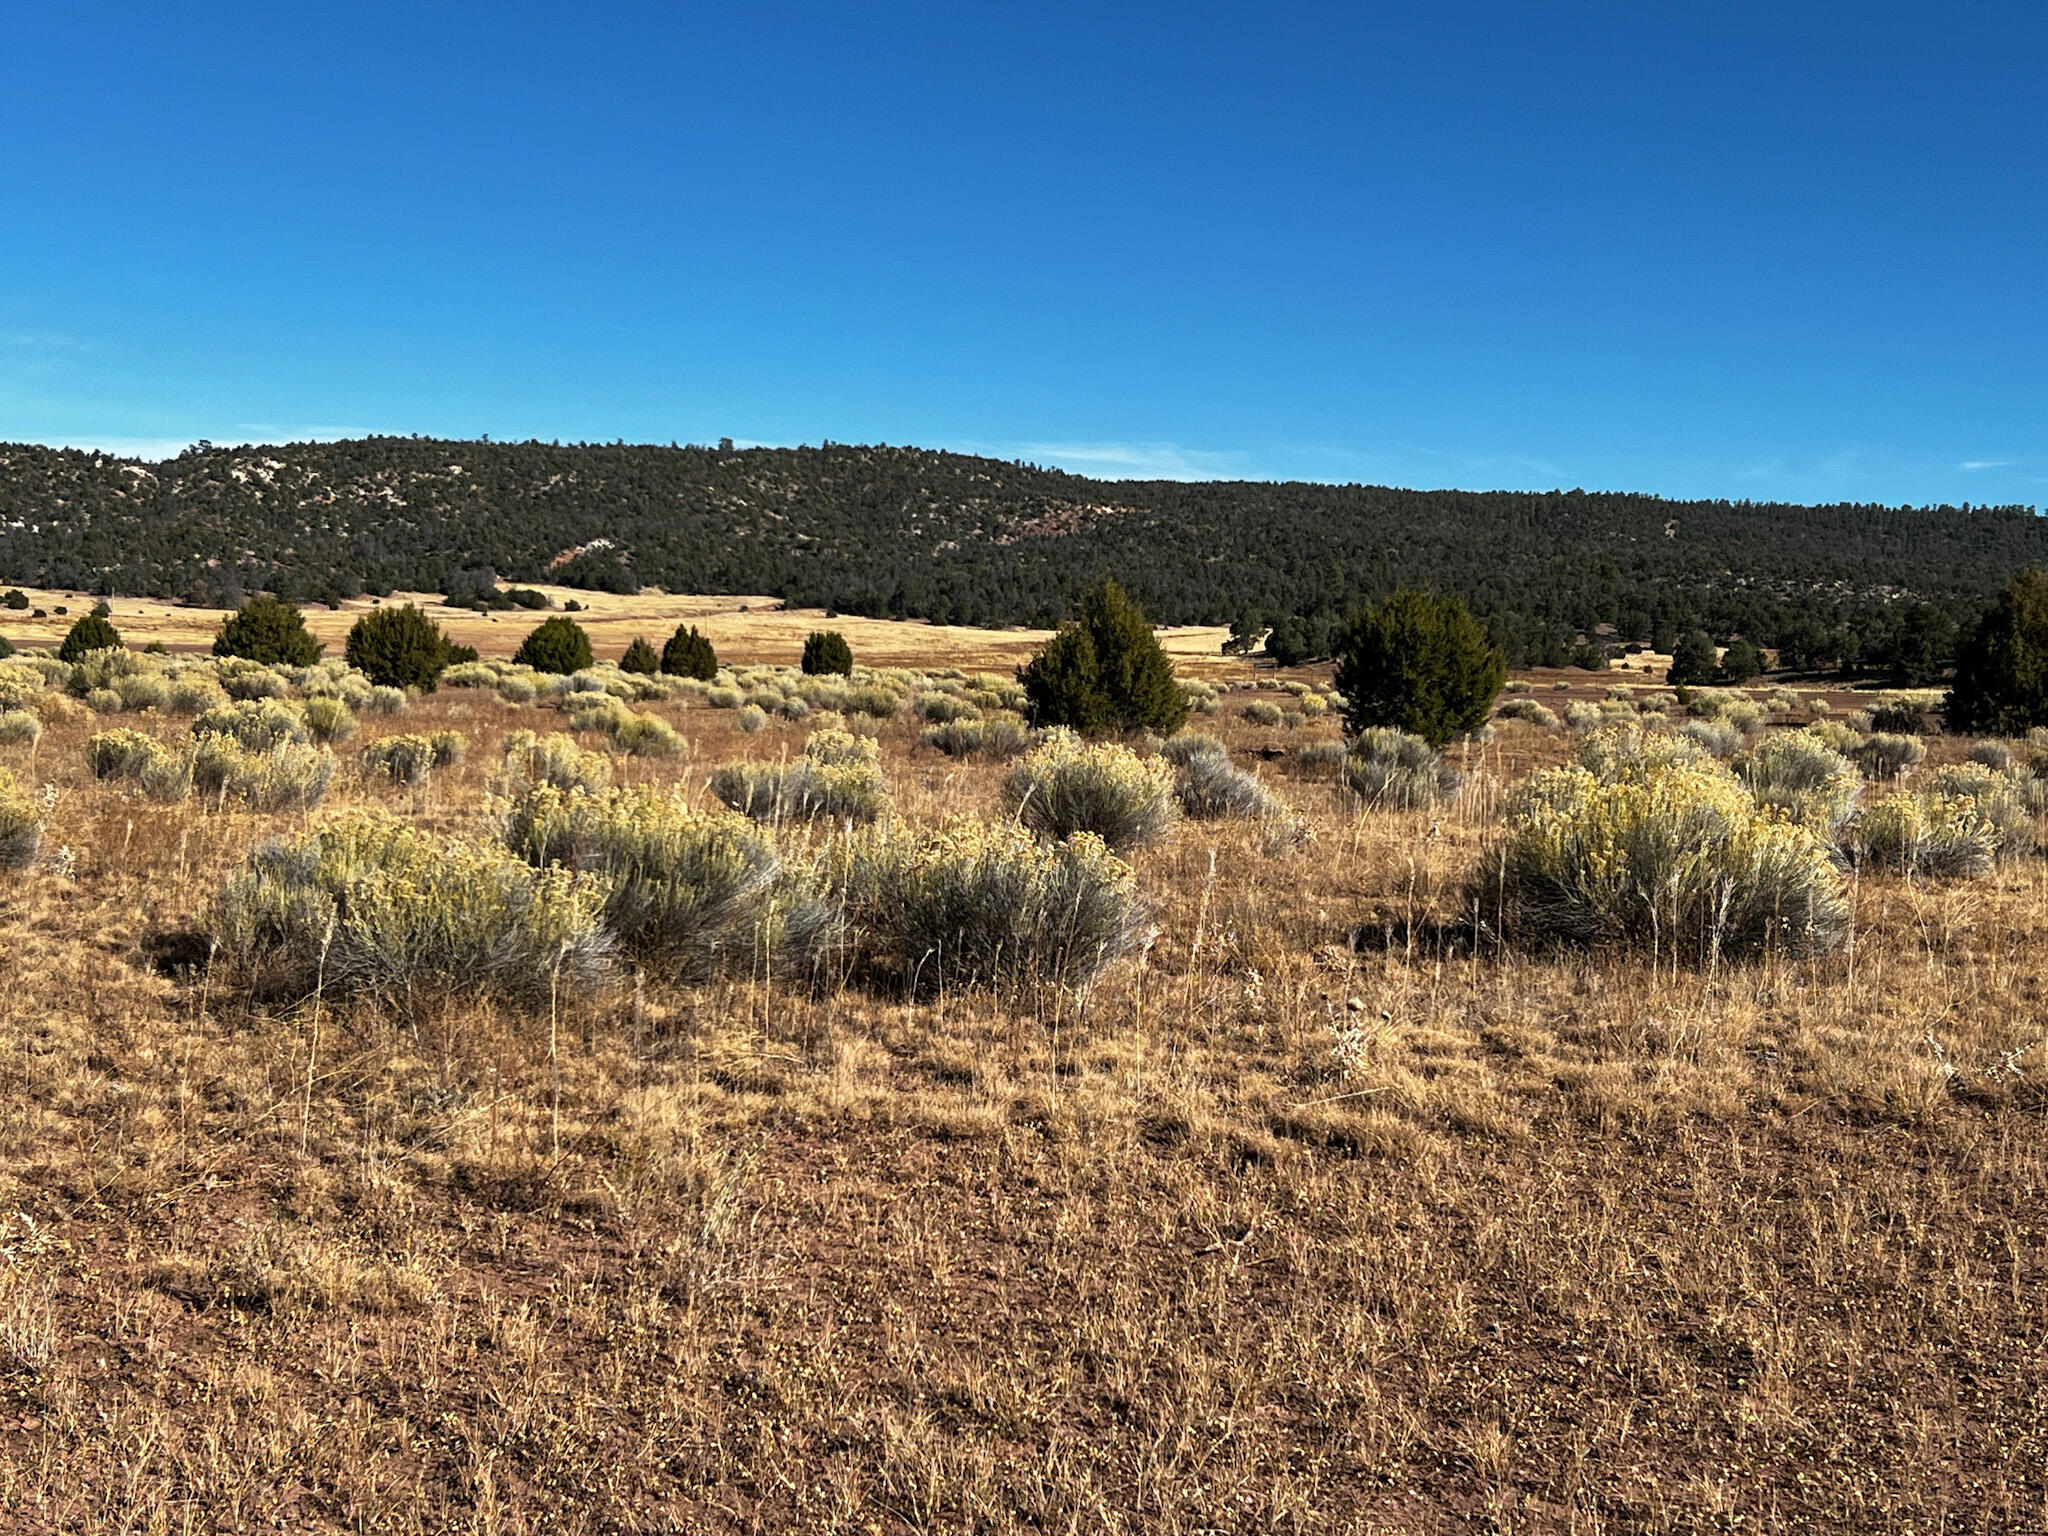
[[1312, 1220]]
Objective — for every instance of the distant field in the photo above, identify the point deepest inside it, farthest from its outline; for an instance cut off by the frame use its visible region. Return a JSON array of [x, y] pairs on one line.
[[744, 629]]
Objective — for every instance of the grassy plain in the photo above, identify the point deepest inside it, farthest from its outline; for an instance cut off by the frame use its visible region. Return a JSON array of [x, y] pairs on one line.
[[1312, 1220]]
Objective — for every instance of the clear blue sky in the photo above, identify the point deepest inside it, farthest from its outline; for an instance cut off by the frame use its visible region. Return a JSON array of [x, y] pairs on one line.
[[1770, 251]]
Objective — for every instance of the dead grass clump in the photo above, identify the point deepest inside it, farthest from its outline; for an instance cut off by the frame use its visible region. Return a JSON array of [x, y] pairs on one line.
[[371, 904]]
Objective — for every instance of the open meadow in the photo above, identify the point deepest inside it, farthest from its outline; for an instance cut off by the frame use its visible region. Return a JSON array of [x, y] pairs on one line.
[[1317, 1208]]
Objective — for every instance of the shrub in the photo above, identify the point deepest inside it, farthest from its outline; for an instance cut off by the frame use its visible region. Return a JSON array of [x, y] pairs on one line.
[[875, 701], [1536, 714], [751, 718], [642, 735], [979, 904], [409, 759], [1319, 757], [558, 645], [247, 680], [1064, 786], [1262, 712], [1581, 717], [724, 698], [370, 904], [1995, 755], [942, 708], [91, 633], [688, 890], [385, 700], [1740, 662], [1419, 664], [266, 630], [1207, 785], [328, 719], [18, 726], [1884, 756], [1677, 859], [194, 695], [1392, 770], [640, 658], [288, 776], [1933, 836], [255, 724], [826, 651], [103, 701], [1104, 670], [555, 760], [1999, 798], [1834, 735], [689, 654], [1804, 779], [1717, 738], [121, 754], [834, 780], [399, 648], [1895, 717], [21, 825]]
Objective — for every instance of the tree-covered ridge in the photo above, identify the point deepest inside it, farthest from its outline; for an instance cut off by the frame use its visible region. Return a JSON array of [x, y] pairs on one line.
[[880, 530]]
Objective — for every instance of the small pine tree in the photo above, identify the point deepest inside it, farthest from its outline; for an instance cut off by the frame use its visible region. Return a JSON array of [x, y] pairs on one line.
[[1694, 661], [1104, 670], [689, 654], [556, 645], [1420, 664], [640, 657], [826, 650], [91, 633], [266, 630], [2001, 685], [1741, 662], [398, 648]]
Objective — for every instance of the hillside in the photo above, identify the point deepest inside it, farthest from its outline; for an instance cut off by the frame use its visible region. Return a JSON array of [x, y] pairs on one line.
[[905, 531]]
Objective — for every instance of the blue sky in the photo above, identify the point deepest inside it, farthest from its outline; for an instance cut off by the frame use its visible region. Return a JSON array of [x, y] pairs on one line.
[[1769, 251]]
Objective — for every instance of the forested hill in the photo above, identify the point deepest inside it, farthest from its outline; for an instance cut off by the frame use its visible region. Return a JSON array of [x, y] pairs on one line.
[[909, 531]]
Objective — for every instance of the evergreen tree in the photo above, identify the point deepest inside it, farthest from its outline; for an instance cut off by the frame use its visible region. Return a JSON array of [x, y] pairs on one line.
[[2001, 685], [1103, 670], [269, 631], [91, 633], [689, 654], [640, 657], [826, 651], [1421, 664], [1694, 661], [556, 645], [398, 648], [1741, 662]]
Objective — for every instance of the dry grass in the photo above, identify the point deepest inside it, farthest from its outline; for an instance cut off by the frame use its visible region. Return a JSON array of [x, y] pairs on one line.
[[1309, 1220]]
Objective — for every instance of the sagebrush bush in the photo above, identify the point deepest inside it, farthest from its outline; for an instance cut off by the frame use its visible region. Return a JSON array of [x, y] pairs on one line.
[[1677, 859], [21, 825], [194, 694], [690, 891], [642, 735], [751, 718], [411, 758], [1186, 745], [876, 701], [1719, 738], [19, 728], [1887, 755], [1207, 785], [977, 904], [1933, 836], [809, 789], [1262, 712], [1999, 798], [724, 698], [1834, 735], [1321, 757], [1064, 787], [1581, 717], [1536, 714], [1997, 755], [103, 701], [256, 724], [1803, 779], [142, 690], [122, 754], [328, 719], [554, 759], [371, 904], [286, 777], [1391, 770]]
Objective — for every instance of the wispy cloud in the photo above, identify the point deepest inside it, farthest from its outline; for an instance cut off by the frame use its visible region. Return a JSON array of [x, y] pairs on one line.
[[1969, 464], [42, 341], [1121, 460]]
